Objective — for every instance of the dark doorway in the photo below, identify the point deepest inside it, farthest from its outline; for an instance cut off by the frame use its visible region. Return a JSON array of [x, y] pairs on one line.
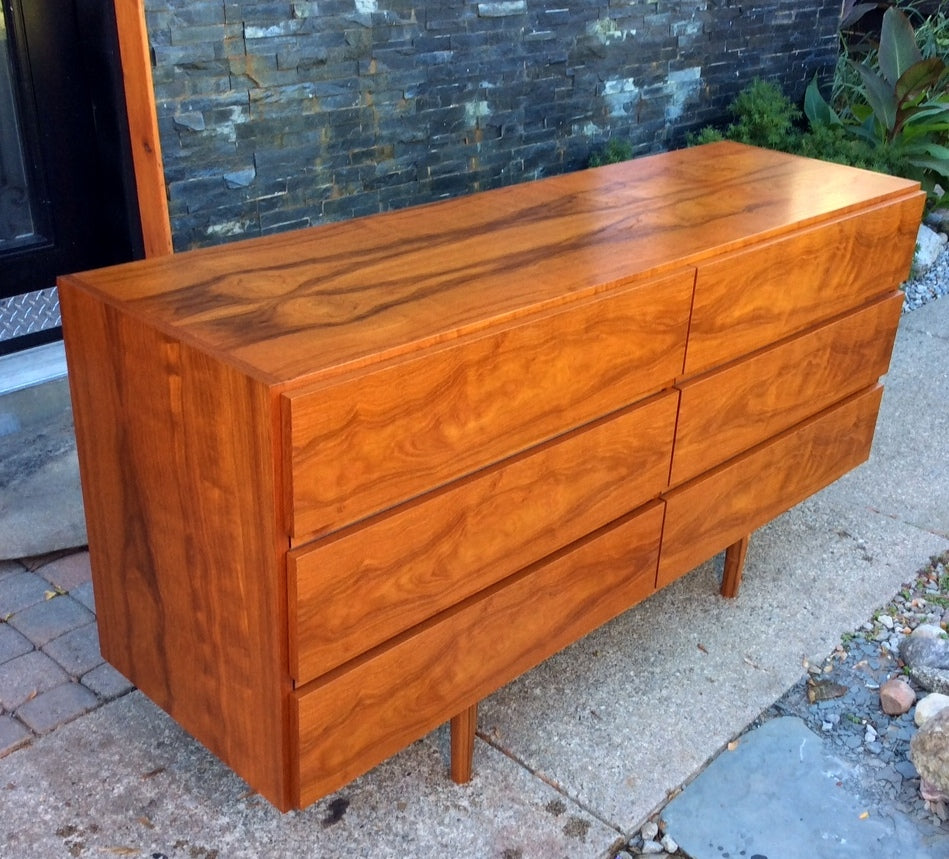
[[67, 192]]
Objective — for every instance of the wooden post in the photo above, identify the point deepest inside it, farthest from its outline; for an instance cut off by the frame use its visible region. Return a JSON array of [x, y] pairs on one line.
[[734, 564], [143, 126], [463, 727]]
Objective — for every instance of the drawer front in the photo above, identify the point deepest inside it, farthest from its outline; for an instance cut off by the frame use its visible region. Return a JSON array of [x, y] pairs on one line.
[[363, 713], [713, 511], [375, 439], [739, 406], [357, 589], [754, 297]]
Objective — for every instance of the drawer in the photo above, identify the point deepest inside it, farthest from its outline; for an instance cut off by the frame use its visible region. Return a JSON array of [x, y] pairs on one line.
[[715, 510], [360, 587], [377, 438], [754, 297], [741, 405], [369, 709]]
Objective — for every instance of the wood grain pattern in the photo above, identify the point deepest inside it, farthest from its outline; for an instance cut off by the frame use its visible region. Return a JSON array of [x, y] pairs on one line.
[[313, 303], [735, 408], [143, 126], [463, 728], [186, 558], [719, 508], [378, 438], [351, 592], [755, 297], [359, 716]]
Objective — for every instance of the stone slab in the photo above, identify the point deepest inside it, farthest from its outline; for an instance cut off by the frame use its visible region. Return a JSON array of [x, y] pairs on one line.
[[779, 794], [632, 711]]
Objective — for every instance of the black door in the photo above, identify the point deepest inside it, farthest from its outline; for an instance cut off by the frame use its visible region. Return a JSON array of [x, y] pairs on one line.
[[66, 183]]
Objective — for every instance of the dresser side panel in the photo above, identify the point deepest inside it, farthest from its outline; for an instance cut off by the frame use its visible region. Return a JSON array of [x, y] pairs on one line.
[[176, 462]]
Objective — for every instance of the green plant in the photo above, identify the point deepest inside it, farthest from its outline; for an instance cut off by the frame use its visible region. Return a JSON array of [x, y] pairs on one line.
[[900, 107], [614, 151]]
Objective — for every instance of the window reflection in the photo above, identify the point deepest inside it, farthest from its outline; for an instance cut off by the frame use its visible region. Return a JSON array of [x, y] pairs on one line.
[[16, 216]]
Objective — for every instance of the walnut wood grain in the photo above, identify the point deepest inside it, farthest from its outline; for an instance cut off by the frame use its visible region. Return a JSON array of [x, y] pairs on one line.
[[463, 728], [755, 297], [717, 509], [378, 438], [351, 592], [357, 717], [187, 568], [734, 567], [318, 302], [733, 409]]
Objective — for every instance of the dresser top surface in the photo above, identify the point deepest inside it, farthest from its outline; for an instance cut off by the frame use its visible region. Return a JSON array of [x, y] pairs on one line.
[[318, 301]]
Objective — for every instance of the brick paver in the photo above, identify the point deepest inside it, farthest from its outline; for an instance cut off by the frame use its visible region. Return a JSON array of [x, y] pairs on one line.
[[43, 622], [106, 682], [77, 651], [12, 734], [21, 590], [51, 670], [60, 704], [27, 676], [67, 572], [12, 644]]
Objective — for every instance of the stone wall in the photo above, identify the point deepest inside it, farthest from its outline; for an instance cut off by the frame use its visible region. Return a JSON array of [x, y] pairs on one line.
[[278, 115]]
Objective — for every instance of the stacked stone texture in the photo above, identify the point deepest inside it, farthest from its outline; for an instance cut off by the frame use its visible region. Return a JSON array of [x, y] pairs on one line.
[[277, 115]]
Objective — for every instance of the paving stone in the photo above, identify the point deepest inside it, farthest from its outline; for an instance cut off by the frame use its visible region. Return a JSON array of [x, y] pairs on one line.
[[43, 622], [83, 593], [8, 568], [106, 682], [20, 591], [12, 644], [77, 651], [67, 572], [30, 674], [60, 704], [12, 734]]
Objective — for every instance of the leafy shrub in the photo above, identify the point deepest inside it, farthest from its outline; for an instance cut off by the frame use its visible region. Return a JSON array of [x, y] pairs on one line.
[[614, 151]]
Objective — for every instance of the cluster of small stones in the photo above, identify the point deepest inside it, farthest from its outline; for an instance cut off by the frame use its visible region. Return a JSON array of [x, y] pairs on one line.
[[930, 276], [861, 699], [651, 840]]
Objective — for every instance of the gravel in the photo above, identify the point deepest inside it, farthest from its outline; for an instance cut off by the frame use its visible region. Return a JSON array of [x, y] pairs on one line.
[[929, 286]]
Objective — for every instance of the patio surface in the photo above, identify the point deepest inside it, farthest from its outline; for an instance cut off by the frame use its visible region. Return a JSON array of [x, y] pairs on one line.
[[570, 759]]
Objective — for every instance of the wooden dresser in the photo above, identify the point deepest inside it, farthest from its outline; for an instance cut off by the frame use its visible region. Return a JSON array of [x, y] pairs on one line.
[[343, 483]]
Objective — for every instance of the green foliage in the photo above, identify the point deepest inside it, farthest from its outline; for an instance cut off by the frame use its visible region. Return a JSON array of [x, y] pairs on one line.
[[888, 112], [614, 151], [899, 110]]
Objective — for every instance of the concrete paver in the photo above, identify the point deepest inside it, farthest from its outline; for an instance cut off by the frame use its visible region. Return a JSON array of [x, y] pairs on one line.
[[12, 644], [67, 572], [51, 618], [106, 682], [76, 651], [21, 590], [27, 676], [56, 706], [12, 734]]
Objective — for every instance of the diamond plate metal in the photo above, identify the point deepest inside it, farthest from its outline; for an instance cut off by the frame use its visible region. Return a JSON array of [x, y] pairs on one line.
[[29, 313]]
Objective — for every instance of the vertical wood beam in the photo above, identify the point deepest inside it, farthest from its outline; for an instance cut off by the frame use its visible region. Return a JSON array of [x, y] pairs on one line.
[[143, 126]]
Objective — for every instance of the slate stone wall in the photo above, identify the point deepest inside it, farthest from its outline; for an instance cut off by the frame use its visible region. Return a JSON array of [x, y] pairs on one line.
[[278, 115]]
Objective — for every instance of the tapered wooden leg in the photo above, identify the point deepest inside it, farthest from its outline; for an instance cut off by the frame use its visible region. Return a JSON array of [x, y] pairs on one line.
[[734, 564], [463, 727]]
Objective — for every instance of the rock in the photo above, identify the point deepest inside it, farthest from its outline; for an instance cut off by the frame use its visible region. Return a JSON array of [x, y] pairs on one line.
[[896, 697], [927, 707], [651, 848], [650, 830], [931, 679], [886, 620], [929, 246], [927, 630], [929, 752], [938, 220], [924, 650], [668, 844]]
